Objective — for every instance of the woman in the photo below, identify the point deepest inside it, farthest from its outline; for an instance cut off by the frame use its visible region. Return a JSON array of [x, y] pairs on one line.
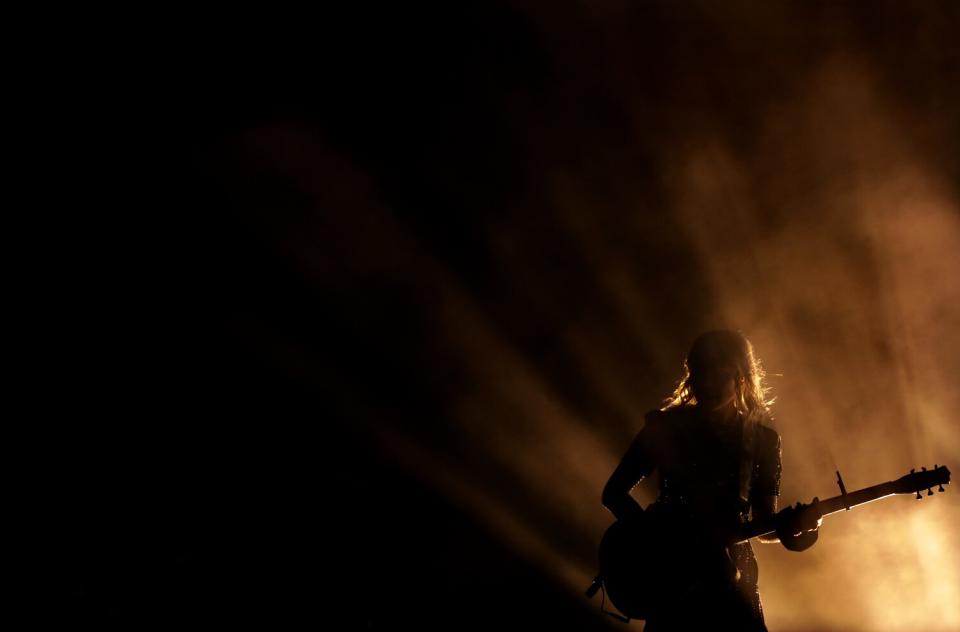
[[718, 461]]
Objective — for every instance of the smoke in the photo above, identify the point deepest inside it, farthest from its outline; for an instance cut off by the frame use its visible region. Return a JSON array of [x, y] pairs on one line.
[[788, 193], [848, 289]]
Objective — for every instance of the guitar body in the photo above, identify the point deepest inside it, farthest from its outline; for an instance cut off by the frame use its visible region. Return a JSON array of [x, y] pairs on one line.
[[656, 563]]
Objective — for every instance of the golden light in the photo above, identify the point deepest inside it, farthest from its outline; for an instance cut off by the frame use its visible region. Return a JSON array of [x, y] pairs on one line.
[[831, 242]]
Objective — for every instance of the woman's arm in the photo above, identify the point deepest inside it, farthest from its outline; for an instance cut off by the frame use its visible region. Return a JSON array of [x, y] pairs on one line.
[[766, 485], [633, 467], [766, 506], [797, 527]]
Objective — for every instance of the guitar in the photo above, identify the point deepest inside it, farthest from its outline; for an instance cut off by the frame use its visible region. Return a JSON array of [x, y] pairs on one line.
[[651, 564]]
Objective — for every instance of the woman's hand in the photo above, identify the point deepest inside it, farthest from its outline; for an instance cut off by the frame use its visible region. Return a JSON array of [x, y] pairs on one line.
[[798, 526]]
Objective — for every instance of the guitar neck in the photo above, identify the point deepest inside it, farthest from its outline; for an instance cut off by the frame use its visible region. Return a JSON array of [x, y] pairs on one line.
[[767, 524]]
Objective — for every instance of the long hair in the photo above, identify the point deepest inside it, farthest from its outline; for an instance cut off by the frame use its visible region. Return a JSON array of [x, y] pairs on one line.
[[723, 347]]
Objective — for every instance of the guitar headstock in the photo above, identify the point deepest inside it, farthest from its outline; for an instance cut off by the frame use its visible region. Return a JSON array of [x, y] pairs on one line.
[[924, 479]]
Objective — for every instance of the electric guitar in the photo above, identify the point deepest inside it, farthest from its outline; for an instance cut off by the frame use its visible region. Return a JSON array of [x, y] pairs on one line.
[[651, 564]]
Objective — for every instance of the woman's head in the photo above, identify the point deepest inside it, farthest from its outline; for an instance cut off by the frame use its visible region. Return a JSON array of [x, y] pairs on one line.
[[721, 368]]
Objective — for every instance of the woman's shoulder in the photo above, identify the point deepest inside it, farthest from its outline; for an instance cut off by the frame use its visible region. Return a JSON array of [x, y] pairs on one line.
[[768, 437], [659, 430], [764, 423], [767, 432], [671, 417]]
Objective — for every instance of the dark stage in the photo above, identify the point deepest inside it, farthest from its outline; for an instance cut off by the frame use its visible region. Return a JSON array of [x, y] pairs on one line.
[[395, 286]]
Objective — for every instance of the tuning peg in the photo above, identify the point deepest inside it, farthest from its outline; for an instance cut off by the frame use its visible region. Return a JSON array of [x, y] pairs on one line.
[[936, 466], [923, 468], [929, 492], [918, 495], [912, 470]]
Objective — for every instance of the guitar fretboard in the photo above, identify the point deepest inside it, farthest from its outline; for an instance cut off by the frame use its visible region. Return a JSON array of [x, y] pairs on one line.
[[767, 524]]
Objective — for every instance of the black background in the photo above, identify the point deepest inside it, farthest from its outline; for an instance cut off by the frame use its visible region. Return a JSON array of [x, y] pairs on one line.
[[210, 459]]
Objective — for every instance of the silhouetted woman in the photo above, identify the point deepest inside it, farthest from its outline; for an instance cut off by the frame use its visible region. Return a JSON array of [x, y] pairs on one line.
[[718, 460]]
